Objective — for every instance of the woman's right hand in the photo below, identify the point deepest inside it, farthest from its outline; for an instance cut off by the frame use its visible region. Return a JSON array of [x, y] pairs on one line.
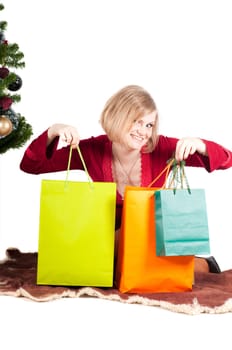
[[67, 133]]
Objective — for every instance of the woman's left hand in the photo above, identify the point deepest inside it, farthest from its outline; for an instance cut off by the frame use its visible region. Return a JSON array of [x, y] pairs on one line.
[[188, 146]]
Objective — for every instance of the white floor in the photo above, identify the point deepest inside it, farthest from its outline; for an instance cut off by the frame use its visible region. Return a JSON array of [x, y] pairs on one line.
[[88, 323]]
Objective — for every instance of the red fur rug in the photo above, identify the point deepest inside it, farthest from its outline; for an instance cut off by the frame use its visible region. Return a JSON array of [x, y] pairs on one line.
[[212, 293]]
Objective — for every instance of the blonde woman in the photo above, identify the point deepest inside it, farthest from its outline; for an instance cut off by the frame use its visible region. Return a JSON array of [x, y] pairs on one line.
[[129, 152]]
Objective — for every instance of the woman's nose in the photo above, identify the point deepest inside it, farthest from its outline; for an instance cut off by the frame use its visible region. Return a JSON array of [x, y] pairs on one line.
[[141, 130]]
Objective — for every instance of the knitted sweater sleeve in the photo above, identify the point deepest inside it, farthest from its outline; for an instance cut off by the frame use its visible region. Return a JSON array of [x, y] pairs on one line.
[[218, 157], [39, 159]]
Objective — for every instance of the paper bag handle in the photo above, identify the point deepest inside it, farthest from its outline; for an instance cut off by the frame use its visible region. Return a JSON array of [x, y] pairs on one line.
[[166, 169], [83, 163], [178, 176]]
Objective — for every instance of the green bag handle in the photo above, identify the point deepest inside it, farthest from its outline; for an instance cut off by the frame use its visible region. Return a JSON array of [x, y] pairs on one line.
[[178, 177], [83, 163]]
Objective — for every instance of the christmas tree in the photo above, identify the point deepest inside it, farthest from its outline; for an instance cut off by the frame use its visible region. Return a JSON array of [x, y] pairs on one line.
[[14, 130]]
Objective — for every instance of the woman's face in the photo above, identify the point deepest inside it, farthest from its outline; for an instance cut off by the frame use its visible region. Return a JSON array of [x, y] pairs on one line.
[[140, 131]]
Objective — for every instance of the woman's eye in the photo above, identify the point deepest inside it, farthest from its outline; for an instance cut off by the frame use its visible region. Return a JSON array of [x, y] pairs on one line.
[[150, 125]]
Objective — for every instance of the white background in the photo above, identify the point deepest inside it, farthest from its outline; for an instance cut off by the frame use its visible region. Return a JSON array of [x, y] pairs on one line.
[[78, 53]]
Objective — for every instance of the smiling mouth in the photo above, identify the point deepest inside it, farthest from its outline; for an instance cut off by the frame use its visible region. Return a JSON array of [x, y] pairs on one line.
[[137, 138]]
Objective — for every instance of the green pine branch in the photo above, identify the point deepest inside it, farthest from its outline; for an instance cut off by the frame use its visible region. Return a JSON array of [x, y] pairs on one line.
[[12, 57], [3, 26]]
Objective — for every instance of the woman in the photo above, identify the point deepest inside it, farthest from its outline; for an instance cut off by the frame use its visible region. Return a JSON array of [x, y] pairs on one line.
[[129, 153]]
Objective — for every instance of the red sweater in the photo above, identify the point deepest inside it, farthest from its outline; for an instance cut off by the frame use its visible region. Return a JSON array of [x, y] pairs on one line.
[[97, 153]]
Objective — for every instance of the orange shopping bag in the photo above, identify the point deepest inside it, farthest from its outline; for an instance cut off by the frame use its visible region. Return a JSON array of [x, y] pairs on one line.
[[138, 268]]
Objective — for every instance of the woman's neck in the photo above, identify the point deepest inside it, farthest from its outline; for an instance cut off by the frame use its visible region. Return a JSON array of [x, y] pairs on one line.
[[124, 154], [126, 167]]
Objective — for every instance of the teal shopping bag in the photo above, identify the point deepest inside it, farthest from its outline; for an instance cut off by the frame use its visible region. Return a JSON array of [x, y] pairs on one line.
[[181, 219]]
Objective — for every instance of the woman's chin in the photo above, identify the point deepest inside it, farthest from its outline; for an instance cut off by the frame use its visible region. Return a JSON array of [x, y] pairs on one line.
[[137, 144]]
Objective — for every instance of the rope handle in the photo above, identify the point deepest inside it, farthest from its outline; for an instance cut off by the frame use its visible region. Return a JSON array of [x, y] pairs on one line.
[[83, 163], [178, 174], [178, 177]]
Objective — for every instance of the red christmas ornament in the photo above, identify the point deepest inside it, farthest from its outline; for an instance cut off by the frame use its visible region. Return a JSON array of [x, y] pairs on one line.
[[4, 72], [5, 102]]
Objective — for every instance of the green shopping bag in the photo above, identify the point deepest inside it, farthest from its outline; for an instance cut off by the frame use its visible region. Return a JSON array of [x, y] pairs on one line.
[[181, 218], [76, 233]]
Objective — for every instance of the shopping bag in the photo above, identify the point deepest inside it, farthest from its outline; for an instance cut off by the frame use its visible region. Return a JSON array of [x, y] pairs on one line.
[[76, 233], [181, 218], [138, 268]]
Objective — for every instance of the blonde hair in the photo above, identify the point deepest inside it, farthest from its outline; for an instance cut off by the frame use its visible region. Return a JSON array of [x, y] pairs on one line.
[[123, 108]]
